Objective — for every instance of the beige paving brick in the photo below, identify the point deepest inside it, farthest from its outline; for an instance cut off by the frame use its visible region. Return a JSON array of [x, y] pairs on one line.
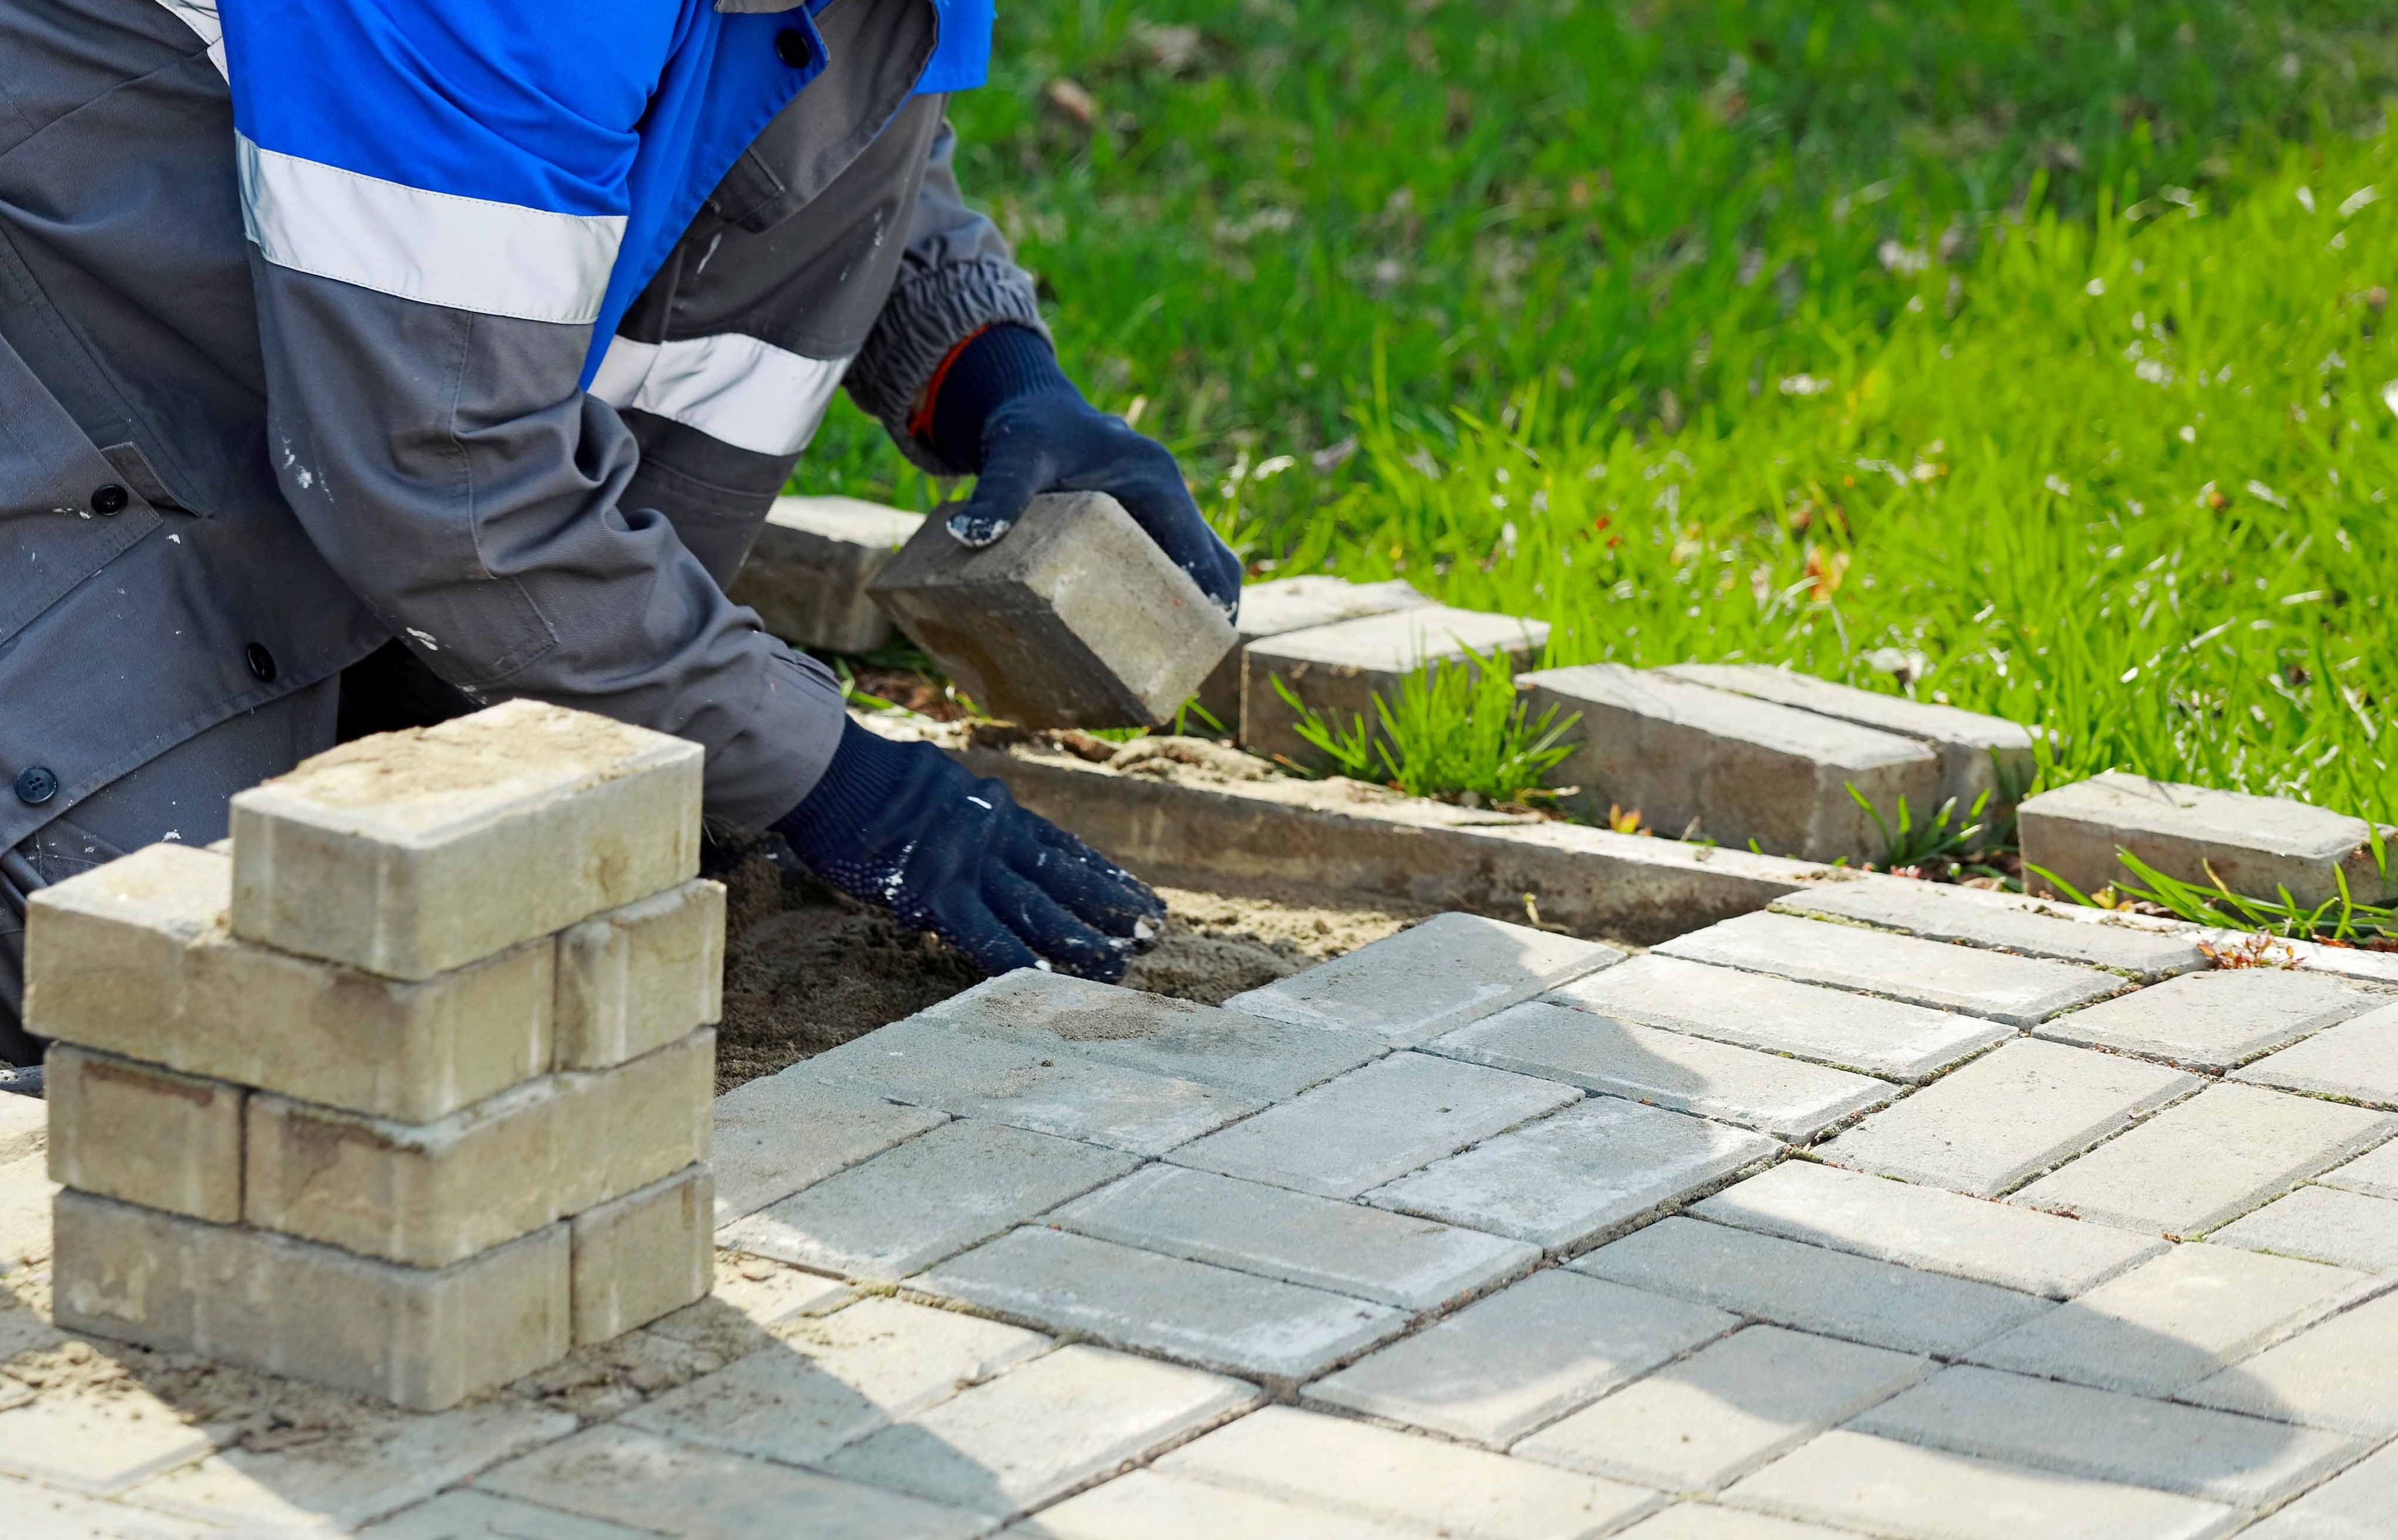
[[2334, 1374], [628, 1477], [2322, 1224], [2173, 1321], [2356, 1060], [25, 1193], [2192, 1168], [2376, 1172], [1883, 1487], [2355, 1505], [1524, 1356], [134, 958], [97, 1443], [625, 1126], [1040, 1428], [24, 1127], [1925, 1227], [639, 1256], [1941, 911], [408, 854], [1404, 1478], [45, 1513], [2216, 1020], [781, 1133], [1725, 1409], [145, 1134], [638, 978], [2007, 1116], [1168, 1507], [1429, 978], [467, 1515], [425, 1339], [1707, 1521]]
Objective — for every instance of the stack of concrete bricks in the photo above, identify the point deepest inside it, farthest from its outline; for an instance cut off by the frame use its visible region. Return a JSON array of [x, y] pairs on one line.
[[407, 1091]]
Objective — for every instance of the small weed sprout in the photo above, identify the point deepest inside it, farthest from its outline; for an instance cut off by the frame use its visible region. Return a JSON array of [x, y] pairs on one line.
[[1945, 838], [1453, 730]]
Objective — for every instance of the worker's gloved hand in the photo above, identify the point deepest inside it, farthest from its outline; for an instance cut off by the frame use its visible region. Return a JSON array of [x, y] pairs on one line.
[[1005, 409], [903, 826]]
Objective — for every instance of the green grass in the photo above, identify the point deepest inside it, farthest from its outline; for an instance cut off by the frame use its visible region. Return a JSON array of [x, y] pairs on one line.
[[1767, 331]]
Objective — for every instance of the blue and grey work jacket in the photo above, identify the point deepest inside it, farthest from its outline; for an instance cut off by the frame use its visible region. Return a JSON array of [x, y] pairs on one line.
[[490, 325]]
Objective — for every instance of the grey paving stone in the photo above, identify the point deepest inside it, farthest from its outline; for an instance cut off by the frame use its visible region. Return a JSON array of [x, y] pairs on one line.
[[807, 576], [1037, 1430], [1374, 1124], [1883, 1487], [2209, 1160], [1168, 1507], [1812, 1289], [1707, 1521], [2214, 1021], [1927, 1228], [781, 1133], [2007, 1116], [2173, 1321], [2255, 845], [1577, 1174], [1725, 1409], [1853, 1032], [2334, 1374], [2109, 1437], [2017, 991], [45, 1513], [1429, 978], [2376, 1172], [1253, 1055], [1740, 770], [835, 1380], [99, 1444], [2322, 1224], [931, 1064], [1412, 1262], [467, 1515], [2355, 1505], [2356, 1060], [1403, 1477], [1788, 1098], [1528, 1355], [1212, 1316], [1337, 671], [1941, 913], [1294, 604], [633, 1478], [932, 1198]]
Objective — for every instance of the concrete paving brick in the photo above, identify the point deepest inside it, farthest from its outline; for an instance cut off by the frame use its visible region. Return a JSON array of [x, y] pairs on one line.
[[1727, 1408], [1212, 1316], [97, 1443], [409, 853], [1294, 604], [2171, 1322], [629, 1477], [781, 1133], [2322, 1224], [425, 1339], [2334, 1374], [467, 1515], [1404, 1478], [2017, 991], [1596, 1167], [145, 1134], [834, 1380], [2355, 1061], [1523, 1357], [1429, 978], [2192, 1168], [1337, 670], [932, 1198], [2213, 1020], [2109, 1437], [1735, 769], [1252, 1055], [764, 1292], [2355, 1505], [1036, 1431], [1852, 1032], [1812, 1289], [1884, 1486], [1927, 1228], [932, 1063], [2007, 1116], [1788, 1098], [45, 1513], [134, 958], [1707, 1521], [1373, 1124], [26, 1192], [624, 1126], [2376, 1172], [24, 1127], [1413, 1264], [1168, 1508], [636, 978], [1941, 913], [1076, 619], [807, 576], [2255, 845], [641, 1256]]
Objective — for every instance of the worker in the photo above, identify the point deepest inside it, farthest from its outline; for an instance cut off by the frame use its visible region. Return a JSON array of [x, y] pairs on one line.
[[366, 360]]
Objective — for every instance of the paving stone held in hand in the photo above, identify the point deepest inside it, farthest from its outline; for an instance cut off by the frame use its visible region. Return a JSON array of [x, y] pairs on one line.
[[2322, 1224], [1940, 912], [2356, 1060], [2213, 1020]]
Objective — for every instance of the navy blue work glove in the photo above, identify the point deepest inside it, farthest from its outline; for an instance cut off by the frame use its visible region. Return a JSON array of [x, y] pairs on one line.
[[902, 826], [1006, 411]]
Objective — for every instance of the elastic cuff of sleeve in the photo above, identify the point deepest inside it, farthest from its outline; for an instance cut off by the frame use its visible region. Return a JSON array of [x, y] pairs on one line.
[[865, 772], [1002, 364]]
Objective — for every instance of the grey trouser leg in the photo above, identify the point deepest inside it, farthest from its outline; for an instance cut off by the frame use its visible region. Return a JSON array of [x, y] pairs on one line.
[[179, 795]]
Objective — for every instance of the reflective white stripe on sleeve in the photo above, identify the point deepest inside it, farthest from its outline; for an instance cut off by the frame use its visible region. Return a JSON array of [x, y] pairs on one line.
[[201, 17], [495, 259], [735, 389]]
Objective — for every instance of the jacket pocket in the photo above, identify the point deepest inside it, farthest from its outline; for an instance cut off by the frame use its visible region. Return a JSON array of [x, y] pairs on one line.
[[65, 512]]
